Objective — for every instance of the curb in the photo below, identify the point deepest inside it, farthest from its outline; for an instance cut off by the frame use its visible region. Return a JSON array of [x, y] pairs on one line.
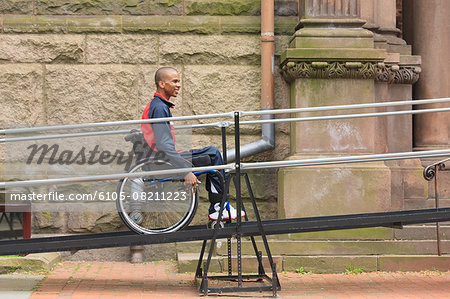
[[36, 262]]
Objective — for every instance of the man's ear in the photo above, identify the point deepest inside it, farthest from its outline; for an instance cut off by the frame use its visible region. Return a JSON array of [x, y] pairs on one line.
[[161, 84]]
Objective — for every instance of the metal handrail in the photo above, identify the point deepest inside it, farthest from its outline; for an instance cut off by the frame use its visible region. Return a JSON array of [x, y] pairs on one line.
[[256, 165], [342, 107], [227, 124], [343, 116], [259, 165], [347, 159], [106, 177], [430, 172], [228, 114], [115, 123]]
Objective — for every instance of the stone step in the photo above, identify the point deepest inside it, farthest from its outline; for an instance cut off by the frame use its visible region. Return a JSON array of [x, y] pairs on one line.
[[36, 262], [422, 232], [412, 204], [408, 232], [187, 262], [330, 247]]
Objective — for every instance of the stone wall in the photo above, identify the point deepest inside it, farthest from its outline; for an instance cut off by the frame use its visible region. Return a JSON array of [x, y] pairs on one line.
[[66, 61]]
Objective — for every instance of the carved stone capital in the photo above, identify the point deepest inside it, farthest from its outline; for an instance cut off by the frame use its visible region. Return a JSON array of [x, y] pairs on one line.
[[329, 70], [381, 72], [398, 74]]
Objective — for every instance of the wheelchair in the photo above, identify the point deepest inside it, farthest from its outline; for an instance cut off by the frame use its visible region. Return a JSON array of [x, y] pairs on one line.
[[157, 203]]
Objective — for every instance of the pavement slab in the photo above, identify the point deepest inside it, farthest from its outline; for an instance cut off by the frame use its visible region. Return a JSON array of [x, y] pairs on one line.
[[18, 286], [161, 280]]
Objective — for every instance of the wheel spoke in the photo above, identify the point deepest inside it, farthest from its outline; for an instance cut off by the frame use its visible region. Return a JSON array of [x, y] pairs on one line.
[[151, 206]]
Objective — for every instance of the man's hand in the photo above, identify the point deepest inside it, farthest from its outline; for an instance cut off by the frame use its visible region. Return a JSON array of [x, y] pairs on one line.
[[191, 181]]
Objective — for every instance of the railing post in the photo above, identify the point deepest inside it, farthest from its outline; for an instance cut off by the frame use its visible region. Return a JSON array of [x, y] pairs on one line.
[[238, 194], [436, 200]]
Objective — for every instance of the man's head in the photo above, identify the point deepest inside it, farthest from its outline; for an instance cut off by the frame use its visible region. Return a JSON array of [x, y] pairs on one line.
[[167, 82]]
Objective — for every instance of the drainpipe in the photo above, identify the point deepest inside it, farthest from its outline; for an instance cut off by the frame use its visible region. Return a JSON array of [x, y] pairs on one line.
[[267, 141]]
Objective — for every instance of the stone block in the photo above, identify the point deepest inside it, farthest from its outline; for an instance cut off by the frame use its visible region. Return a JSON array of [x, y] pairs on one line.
[[121, 254], [264, 186], [16, 7], [35, 262], [414, 263], [415, 186], [222, 88], [22, 98], [191, 247], [252, 24], [49, 222], [102, 93], [281, 43], [223, 8], [2, 170], [75, 217], [239, 7], [331, 190], [153, 252], [422, 232], [425, 203], [339, 247], [116, 49], [174, 24], [332, 136], [159, 252], [200, 139], [333, 54], [34, 24], [250, 263], [108, 7], [285, 25], [443, 184], [42, 48], [79, 24], [93, 222], [210, 49], [329, 264], [233, 24], [373, 233], [165, 7], [84, 7], [286, 8], [187, 262]]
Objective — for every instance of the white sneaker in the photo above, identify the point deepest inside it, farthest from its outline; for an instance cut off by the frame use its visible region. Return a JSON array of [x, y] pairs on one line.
[[214, 212]]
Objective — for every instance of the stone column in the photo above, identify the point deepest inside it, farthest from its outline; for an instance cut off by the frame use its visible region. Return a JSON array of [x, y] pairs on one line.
[[331, 9], [331, 60], [426, 28], [394, 82]]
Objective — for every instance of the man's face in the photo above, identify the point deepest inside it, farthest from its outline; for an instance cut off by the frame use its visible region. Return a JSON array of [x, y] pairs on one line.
[[171, 84]]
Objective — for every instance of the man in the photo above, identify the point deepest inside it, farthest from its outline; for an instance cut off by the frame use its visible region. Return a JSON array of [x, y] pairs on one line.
[[160, 137]]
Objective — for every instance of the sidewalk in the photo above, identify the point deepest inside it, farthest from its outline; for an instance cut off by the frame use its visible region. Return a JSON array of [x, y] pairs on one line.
[[160, 279]]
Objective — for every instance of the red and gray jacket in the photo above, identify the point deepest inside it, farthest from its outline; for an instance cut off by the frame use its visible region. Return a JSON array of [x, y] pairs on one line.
[[160, 136]]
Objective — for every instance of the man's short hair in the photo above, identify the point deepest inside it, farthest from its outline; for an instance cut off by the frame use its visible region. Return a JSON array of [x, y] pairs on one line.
[[161, 72]]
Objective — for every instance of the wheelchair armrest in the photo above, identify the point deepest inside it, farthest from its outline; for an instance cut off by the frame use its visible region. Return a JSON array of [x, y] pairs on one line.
[[201, 161]]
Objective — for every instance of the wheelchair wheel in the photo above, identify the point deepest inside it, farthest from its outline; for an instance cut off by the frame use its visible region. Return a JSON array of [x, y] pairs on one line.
[[152, 205]]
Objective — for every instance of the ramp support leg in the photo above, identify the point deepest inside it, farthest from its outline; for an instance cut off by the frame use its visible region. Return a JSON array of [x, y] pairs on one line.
[[274, 282]]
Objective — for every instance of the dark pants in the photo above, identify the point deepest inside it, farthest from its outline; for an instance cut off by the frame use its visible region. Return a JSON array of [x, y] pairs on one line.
[[216, 159]]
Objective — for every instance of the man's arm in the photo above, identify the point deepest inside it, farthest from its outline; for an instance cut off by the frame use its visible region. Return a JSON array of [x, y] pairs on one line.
[[164, 141]]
